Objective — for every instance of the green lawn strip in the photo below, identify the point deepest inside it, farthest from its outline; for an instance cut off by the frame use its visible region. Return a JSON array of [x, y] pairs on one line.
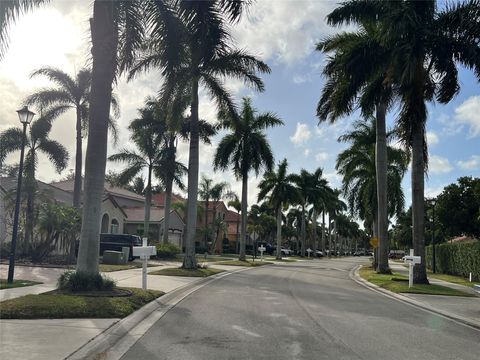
[[201, 258], [112, 267], [58, 306], [244, 263], [283, 260], [399, 284], [296, 258], [16, 283], [186, 272], [453, 279]]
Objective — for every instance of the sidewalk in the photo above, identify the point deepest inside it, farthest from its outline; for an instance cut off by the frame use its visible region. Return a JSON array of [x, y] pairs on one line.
[[463, 309], [51, 339]]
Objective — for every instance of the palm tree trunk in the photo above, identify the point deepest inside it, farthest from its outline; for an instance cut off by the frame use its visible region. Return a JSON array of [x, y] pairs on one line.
[[418, 211], [205, 235], [375, 235], [104, 59], [189, 261], [314, 229], [381, 172], [323, 232], [336, 235], [303, 232], [329, 235], [148, 203], [243, 228], [77, 186], [168, 205], [279, 232]]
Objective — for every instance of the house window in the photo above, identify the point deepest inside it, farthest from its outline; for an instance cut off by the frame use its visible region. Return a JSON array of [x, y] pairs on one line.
[[114, 226], [105, 221]]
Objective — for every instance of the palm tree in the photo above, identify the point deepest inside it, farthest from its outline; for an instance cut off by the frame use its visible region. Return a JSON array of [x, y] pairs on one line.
[[149, 157], [356, 81], [37, 141], [71, 93], [424, 46], [245, 149], [10, 11], [357, 165], [311, 189], [203, 55], [280, 189]]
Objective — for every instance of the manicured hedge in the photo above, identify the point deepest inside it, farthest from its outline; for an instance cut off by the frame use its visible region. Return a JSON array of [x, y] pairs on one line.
[[167, 251], [456, 259]]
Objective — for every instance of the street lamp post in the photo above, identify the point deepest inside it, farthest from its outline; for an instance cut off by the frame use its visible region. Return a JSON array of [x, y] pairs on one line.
[[25, 117]]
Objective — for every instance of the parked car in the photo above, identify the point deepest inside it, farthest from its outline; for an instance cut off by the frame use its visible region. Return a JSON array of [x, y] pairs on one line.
[[115, 242], [396, 254], [318, 253]]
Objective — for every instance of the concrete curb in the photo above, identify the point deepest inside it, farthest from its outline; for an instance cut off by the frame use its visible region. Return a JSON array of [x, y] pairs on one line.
[[116, 340], [355, 276]]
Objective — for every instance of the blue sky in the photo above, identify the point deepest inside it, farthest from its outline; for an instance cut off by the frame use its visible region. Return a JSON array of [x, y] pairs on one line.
[[284, 36]]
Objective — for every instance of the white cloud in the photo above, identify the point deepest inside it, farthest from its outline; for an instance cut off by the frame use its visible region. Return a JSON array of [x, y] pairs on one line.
[[302, 134], [432, 138], [470, 164], [300, 79], [306, 152], [469, 113], [439, 165], [321, 156], [285, 31]]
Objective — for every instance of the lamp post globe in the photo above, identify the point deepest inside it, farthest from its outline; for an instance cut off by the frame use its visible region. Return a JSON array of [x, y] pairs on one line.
[[25, 116]]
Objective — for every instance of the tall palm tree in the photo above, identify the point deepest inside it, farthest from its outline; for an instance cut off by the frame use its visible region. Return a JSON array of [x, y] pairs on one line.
[[204, 56], [237, 205], [169, 122], [306, 183], [424, 46], [357, 165], [149, 157], [281, 191], [37, 141], [318, 199], [245, 149], [353, 80], [71, 93]]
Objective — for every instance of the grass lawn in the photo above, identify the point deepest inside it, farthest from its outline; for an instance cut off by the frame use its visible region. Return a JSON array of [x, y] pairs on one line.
[[399, 284], [201, 258], [453, 279], [131, 265], [272, 258], [300, 258], [186, 272], [244, 263], [16, 283], [59, 306]]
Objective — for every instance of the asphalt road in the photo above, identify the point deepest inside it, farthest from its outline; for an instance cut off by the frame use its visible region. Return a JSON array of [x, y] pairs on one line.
[[302, 310]]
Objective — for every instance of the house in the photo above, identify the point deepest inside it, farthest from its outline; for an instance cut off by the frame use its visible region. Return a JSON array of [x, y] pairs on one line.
[[128, 214], [122, 210], [233, 222]]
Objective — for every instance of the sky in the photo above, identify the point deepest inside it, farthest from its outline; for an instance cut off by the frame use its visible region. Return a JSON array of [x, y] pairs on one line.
[[284, 36]]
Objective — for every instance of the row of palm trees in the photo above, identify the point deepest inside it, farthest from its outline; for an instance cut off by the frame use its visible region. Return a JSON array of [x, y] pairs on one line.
[[405, 54]]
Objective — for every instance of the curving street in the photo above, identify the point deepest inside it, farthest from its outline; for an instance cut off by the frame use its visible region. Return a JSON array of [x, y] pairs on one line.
[[302, 310]]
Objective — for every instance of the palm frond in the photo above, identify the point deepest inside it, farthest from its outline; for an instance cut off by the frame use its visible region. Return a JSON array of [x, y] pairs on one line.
[[56, 153]]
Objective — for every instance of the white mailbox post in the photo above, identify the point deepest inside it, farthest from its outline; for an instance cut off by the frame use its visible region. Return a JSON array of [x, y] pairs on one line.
[[411, 260], [309, 251], [144, 252], [261, 249]]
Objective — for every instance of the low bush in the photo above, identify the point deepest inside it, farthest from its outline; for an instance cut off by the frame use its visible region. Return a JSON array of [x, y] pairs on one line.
[[167, 251], [456, 259], [81, 282]]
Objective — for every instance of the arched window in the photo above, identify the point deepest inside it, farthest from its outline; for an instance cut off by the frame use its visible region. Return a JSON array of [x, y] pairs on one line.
[[105, 223]]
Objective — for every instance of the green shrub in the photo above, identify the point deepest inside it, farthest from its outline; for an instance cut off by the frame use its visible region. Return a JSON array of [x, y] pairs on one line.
[[456, 259], [167, 251], [77, 281]]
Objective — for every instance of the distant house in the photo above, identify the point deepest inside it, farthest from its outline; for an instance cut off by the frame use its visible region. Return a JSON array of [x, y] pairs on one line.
[[233, 222], [132, 207], [122, 210]]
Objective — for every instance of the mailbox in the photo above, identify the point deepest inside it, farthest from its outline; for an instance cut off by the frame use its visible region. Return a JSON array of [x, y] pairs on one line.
[[411, 259], [144, 251]]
